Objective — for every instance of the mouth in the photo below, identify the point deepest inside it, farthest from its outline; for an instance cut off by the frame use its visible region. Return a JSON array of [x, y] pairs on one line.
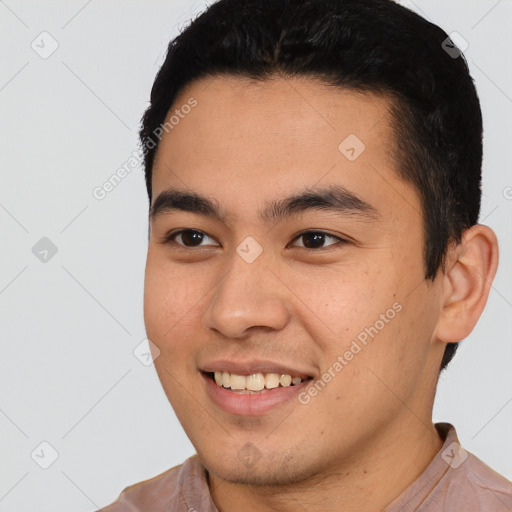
[[255, 383], [254, 387], [258, 394]]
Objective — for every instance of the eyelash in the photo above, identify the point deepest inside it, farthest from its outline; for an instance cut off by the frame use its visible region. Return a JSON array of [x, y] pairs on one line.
[[169, 239]]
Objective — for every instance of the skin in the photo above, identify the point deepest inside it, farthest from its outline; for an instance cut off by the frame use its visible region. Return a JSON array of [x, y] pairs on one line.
[[368, 434]]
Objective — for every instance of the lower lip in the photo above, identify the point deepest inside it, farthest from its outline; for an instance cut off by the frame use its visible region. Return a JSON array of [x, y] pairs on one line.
[[251, 404]]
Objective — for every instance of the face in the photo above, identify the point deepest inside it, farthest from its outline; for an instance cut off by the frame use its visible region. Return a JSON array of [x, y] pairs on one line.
[[284, 243]]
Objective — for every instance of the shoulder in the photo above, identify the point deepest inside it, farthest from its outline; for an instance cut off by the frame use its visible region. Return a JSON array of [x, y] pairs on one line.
[[160, 492], [470, 482], [484, 487], [455, 479]]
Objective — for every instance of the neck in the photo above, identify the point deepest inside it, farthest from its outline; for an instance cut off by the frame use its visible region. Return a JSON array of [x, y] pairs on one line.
[[373, 478]]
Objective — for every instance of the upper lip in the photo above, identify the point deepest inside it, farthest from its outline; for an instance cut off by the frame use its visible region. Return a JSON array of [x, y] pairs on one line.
[[254, 366]]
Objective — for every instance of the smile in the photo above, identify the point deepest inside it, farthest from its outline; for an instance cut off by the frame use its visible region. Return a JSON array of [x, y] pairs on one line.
[[254, 382], [252, 395]]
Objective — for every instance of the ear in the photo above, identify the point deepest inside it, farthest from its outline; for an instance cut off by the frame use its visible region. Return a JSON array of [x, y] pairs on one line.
[[470, 270]]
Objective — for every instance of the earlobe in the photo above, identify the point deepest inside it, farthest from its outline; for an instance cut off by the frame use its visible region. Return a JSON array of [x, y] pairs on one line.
[[471, 268]]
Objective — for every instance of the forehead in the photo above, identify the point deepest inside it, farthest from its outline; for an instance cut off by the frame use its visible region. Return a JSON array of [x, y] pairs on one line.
[[246, 140]]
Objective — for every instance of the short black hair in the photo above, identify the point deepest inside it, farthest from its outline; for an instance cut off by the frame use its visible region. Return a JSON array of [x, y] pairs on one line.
[[375, 46]]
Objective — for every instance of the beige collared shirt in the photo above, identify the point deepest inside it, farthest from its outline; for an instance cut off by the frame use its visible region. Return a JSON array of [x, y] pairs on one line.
[[455, 481]]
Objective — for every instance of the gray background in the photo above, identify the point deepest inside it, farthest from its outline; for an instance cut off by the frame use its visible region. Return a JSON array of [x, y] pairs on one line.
[[69, 325]]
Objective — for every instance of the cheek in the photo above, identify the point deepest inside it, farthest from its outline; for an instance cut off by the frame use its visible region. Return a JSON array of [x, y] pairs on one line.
[[365, 317], [169, 297], [174, 299], [338, 303], [168, 306]]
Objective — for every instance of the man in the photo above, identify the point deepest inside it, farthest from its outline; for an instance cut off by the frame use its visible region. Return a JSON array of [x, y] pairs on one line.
[[313, 170]]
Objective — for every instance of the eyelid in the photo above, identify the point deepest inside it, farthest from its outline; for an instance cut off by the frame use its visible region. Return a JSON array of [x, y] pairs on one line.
[[168, 238], [341, 241]]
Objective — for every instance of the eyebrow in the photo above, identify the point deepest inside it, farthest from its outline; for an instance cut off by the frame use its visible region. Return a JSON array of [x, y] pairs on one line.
[[333, 198]]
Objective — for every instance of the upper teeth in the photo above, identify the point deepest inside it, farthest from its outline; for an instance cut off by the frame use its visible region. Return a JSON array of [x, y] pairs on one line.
[[256, 381]]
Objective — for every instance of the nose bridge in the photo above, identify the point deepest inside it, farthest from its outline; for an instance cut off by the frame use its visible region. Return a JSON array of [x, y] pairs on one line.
[[248, 295]]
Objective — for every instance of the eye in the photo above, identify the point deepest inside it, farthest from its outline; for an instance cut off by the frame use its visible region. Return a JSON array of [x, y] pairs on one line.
[[189, 238], [315, 239]]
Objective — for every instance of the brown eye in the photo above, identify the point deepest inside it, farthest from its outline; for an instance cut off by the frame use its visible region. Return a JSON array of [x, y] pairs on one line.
[[316, 239], [188, 238]]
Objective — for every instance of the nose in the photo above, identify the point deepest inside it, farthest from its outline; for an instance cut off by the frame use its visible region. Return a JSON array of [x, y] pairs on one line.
[[249, 295]]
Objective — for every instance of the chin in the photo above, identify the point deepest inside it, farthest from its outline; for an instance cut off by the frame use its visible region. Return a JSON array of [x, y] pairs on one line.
[[252, 476], [271, 469]]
